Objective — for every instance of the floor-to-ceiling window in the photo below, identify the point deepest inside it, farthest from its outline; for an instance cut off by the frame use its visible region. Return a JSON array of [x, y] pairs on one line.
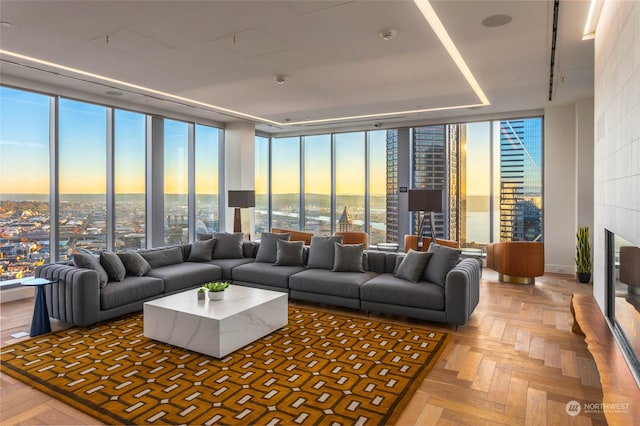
[[477, 184], [317, 184], [129, 179], [377, 190], [176, 181], [349, 153], [24, 182], [261, 185], [207, 182], [285, 183], [82, 176]]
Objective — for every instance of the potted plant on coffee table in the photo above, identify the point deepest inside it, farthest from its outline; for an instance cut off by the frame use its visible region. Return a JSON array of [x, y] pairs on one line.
[[215, 289], [583, 255]]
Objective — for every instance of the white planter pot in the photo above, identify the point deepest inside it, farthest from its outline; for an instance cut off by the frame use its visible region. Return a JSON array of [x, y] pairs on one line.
[[216, 295]]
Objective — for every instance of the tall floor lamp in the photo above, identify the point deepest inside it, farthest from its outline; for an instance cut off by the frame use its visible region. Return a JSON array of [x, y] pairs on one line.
[[240, 200], [426, 200]]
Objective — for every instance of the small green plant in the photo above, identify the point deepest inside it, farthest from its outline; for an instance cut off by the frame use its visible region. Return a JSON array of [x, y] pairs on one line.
[[216, 286], [201, 290], [583, 250]]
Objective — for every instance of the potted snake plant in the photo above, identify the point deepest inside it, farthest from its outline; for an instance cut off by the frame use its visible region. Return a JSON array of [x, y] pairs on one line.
[[583, 255]]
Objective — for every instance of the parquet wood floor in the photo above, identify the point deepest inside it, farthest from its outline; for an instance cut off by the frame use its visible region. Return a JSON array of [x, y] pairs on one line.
[[515, 363]]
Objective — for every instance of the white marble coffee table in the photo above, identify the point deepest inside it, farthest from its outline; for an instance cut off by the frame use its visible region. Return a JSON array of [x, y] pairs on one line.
[[215, 328]]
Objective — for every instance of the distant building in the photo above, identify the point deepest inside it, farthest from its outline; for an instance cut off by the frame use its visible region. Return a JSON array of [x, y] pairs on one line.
[[346, 222], [392, 186]]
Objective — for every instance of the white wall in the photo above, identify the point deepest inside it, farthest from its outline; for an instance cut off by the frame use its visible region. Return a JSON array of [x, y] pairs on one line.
[[239, 164], [617, 130]]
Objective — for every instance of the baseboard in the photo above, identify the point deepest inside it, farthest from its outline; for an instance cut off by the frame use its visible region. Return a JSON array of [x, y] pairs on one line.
[[560, 269], [16, 293]]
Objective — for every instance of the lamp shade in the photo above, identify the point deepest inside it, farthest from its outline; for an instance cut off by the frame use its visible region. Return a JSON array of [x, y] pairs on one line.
[[426, 200], [242, 198]]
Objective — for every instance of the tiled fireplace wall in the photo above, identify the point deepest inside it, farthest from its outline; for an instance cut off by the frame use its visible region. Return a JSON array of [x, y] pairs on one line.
[[617, 131]]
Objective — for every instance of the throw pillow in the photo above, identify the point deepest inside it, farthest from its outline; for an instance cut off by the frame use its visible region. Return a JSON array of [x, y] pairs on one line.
[[443, 259], [289, 253], [268, 246], [201, 251], [87, 260], [228, 246], [412, 266], [134, 263], [348, 258], [113, 266], [164, 256], [322, 252]]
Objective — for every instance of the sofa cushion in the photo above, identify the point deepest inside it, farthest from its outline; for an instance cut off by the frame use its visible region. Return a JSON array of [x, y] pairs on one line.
[[228, 246], [113, 266], [341, 284], [164, 256], [185, 275], [227, 265], [290, 253], [386, 288], [268, 249], [134, 263], [411, 268], [348, 258], [87, 260], [131, 289], [265, 274], [201, 251], [322, 252], [443, 259]]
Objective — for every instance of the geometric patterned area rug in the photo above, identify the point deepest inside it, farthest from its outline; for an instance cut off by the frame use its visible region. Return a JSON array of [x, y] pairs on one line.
[[321, 368]]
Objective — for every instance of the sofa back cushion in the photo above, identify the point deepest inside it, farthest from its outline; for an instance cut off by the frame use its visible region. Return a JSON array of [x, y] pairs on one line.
[[268, 250], [164, 256], [322, 252], [443, 259]]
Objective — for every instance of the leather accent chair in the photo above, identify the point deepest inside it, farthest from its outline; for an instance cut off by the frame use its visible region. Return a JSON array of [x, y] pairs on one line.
[[354, 238], [295, 235], [517, 262], [411, 242]]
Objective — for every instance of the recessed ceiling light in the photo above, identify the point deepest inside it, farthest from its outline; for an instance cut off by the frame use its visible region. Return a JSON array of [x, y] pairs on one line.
[[387, 33], [496, 20], [6, 24], [280, 78], [113, 93]]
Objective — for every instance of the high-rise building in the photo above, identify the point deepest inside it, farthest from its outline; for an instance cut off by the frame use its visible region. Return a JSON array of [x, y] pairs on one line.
[[346, 222], [520, 180], [392, 186]]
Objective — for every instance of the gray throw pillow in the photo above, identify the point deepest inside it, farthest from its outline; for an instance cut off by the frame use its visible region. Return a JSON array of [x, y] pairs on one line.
[[201, 251], [87, 260], [412, 266], [164, 256], [348, 258], [268, 246], [134, 263], [228, 246], [289, 253], [322, 252], [113, 266], [443, 259]]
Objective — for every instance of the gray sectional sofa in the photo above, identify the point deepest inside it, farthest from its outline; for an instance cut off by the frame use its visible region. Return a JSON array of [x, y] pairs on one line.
[[438, 286]]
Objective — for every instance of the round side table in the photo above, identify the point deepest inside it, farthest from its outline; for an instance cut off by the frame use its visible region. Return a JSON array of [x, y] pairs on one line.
[[40, 323]]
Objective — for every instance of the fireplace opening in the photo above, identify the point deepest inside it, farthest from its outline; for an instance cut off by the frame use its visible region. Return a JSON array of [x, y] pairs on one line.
[[623, 297]]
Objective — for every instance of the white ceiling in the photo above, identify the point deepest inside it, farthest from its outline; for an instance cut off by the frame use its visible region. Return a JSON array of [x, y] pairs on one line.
[[226, 53]]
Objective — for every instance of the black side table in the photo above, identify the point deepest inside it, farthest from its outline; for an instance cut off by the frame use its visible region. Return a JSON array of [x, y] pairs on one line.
[[40, 323]]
